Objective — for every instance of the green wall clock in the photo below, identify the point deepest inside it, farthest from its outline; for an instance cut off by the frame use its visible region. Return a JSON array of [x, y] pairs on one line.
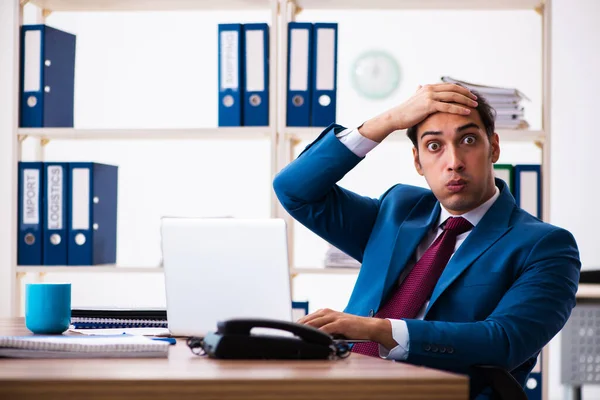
[[375, 74]]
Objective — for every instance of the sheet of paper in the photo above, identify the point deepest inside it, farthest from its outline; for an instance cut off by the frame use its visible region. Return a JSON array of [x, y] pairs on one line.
[[128, 331]]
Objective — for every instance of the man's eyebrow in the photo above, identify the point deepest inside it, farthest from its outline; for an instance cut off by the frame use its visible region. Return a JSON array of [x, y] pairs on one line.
[[459, 129], [467, 126], [430, 133]]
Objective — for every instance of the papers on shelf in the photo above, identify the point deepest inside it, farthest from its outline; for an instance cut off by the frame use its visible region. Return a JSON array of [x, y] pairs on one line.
[[335, 258], [506, 102]]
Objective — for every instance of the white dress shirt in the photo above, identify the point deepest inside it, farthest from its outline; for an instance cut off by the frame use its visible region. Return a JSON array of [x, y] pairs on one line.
[[360, 146]]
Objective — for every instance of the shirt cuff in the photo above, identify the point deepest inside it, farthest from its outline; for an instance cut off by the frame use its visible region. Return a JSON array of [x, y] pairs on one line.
[[400, 335], [355, 142]]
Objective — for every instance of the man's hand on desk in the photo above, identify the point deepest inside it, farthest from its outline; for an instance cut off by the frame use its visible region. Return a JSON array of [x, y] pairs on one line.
[[351, 326]]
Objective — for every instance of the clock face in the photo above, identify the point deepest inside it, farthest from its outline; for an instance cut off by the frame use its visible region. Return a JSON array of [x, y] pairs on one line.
[[375, 74]]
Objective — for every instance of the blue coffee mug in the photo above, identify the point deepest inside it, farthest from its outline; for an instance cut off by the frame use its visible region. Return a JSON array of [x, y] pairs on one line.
[[47, 307]]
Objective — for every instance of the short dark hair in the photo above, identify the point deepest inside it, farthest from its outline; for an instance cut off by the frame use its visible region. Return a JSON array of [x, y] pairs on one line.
[[486, 113]]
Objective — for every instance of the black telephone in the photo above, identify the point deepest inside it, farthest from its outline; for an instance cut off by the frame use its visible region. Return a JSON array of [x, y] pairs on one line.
[[233, 340]]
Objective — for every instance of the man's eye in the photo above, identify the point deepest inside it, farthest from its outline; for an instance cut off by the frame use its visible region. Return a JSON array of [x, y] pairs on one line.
[[469, 139], [433, 146]]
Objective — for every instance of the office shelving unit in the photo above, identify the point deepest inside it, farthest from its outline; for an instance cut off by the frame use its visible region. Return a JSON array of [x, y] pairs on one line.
[[42, 136], [282, 139]]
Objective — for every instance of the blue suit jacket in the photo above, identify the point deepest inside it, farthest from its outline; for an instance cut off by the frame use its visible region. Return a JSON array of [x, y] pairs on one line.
[[505, 293]]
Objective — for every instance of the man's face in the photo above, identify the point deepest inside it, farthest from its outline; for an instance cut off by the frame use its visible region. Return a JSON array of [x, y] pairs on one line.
[[456, 158]]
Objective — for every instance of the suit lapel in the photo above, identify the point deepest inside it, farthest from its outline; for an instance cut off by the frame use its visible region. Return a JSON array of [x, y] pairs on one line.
[[422, 217], [492, 227]]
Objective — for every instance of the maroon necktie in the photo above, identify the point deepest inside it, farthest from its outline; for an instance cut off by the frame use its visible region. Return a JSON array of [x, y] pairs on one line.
[[410, 296]]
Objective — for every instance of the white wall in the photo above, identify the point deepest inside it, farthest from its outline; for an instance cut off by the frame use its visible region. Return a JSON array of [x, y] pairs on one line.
[[8, 73], [574, 167]]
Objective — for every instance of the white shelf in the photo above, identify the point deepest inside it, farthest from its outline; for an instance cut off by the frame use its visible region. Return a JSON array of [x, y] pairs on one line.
[[150, 5], [86, 269], [145, 134], [325, 271], [588, 290], [506, 135], [419, 4], [116, 269]]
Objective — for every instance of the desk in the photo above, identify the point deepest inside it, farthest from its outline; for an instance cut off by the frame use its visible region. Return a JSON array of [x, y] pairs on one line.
[[186, 376]]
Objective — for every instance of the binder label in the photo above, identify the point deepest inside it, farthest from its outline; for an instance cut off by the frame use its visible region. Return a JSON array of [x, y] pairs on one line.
[[299, 60], [325, 59], [529, 192], [81, 199], [503, 174], [33, 61], [55, 197], [229, 60], [31, 196], [255, 61]]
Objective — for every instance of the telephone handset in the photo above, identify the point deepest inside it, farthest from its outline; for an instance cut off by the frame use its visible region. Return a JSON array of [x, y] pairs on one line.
[[234, 340]]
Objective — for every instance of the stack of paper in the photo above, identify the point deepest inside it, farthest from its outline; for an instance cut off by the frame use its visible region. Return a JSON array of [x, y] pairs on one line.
[[336, 258], [506, 102], [105, 318]]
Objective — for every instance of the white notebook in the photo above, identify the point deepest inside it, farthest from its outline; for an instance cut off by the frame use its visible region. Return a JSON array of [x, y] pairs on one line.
[[118, 346]]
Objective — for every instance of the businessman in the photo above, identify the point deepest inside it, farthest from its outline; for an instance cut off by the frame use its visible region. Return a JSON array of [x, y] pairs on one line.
[[451, 277]]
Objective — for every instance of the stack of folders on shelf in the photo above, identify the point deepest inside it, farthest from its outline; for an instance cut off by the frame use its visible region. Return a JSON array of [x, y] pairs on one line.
[[47, 84], [243, 74], [311, 74], [67, 213], [335, 258], [70, 346], [506, 102], [525, 183]]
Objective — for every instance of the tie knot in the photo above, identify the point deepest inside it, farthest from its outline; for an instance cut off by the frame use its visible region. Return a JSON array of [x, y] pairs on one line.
[[457, 225]]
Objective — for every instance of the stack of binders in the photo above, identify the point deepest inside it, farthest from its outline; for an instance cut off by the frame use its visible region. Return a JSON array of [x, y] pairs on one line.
[[67, 213], [243, 75], [506, 102], [312, 74], [525, 183], [47, 86]]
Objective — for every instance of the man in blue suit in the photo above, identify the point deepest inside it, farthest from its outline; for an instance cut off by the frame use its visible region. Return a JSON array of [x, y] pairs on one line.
[[451, 277]]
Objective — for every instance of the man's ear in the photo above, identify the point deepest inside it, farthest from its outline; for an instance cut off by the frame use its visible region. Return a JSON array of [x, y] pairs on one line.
[[417, 161], [495, 147]]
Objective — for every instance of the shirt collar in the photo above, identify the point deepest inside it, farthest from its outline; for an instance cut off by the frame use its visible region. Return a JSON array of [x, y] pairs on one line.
[[473, 216]]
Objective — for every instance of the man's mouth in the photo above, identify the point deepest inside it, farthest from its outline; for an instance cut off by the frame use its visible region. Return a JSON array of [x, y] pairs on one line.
[[456, 185]]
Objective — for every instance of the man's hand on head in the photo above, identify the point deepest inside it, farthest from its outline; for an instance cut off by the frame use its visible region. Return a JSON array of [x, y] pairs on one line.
[[428, 99]]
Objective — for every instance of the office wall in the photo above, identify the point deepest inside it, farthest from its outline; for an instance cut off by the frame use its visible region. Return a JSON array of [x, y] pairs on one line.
[[575, 192], [8, 15]]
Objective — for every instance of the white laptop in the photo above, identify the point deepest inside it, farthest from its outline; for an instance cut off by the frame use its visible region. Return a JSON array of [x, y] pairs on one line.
[[221, 268]]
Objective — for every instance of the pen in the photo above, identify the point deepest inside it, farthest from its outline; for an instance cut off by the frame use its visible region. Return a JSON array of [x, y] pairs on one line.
[[165, 339]]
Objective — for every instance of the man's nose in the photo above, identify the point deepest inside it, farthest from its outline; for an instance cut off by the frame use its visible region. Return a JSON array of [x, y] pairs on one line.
[[455, 161]]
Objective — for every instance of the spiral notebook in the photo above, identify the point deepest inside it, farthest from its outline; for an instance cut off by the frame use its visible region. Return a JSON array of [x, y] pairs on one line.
[[96, 318], [121, 346]]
